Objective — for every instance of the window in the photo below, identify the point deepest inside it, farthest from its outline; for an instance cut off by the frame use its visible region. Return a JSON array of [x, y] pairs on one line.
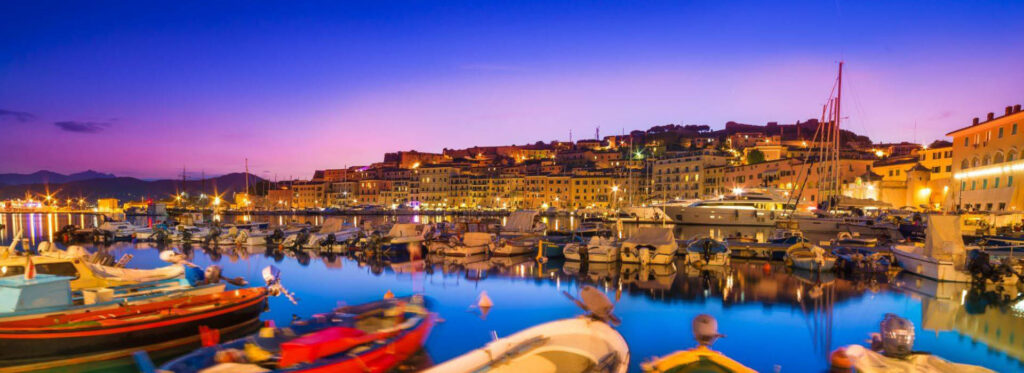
[[1000, 132], [996, 183], [965, 141], [974, 184], [949, 168], [1002, 206], [964, 165], [1009, 180], [984, 184], [1013, 129], [963, 185]]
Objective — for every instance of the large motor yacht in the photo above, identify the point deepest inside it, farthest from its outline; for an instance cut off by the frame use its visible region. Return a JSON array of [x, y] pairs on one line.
[[740, 208]]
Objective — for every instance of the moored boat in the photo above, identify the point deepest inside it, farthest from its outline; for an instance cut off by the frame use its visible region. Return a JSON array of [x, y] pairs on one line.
[[583, 344], [77, 336], [373, 337], [596, 250], [707, 251], [471, 243], [649, 245], [701, 358], [809, 257]]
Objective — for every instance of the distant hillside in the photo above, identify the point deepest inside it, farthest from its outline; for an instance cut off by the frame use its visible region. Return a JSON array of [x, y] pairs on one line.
[[128, 188], [43, 177]]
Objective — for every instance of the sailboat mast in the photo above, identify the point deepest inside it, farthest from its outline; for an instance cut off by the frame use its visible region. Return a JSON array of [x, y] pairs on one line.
[[247, 197], [839, 101]]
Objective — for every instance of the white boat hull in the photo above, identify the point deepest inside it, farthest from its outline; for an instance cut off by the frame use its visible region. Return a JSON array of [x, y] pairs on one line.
[[940, 270], [541, 348]]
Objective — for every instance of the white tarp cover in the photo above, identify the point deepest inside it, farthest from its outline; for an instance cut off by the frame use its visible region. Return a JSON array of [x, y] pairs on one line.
[[520, 221], [598, 241], [406, 230], [332, 224], [943, 239], [137, 275], [477, 239], [652, 236]]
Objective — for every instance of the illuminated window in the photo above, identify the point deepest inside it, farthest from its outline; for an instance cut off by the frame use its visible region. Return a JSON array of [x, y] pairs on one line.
[[996, 183], [1000, 132], [984, 184]]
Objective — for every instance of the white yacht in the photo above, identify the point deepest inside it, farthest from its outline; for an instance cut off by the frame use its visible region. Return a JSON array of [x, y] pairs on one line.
[[756, 208]]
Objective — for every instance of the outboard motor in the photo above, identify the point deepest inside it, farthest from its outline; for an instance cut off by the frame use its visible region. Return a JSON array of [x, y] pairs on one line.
[[275, 238], [897, 337], [212, 236], [329, 241], [979, 264], [302, 238], [272, 276], [596, 304]]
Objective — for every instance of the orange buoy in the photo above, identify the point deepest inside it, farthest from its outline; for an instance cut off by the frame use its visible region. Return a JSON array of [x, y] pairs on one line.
[[839, 360], [389, 294]]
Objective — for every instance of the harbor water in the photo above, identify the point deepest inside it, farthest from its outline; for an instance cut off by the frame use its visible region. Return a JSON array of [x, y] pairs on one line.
[[775, 319]]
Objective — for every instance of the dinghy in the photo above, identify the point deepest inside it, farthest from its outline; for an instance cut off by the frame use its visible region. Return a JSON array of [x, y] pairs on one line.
[[597, 250], [583, 344], [707, 251], [650, 245], [373, 337], [701, 358], [810, 257], [892, 351]]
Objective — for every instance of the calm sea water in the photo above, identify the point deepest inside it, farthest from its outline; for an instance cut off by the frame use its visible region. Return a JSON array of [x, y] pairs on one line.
[[774, 319]]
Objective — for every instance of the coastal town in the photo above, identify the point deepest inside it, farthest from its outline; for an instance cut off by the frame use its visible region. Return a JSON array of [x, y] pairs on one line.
[[504, 187], [971, 170]]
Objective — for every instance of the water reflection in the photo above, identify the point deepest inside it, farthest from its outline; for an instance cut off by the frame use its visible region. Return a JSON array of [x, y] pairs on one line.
[[773, 316]]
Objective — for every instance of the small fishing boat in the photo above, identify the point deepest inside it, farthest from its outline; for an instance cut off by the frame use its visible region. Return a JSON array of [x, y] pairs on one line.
[[701, 358], [851, 239], [706, 251], [583, 344], [472, 243], [85, 274], [892, 351], [79, 336], [516, 245], [373, 337], [945, 258], [552, 246], [649, 245], [522, 223], [597, 250], [809, 257]]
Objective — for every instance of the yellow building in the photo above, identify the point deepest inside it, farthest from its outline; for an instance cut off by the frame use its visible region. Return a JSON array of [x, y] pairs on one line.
[[542, 191], [108, 205], [987, 165]]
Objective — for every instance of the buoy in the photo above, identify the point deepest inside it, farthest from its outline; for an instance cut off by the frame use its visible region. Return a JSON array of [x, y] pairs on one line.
[[484, 301], [767, 267], [839, 360], [389, 294]]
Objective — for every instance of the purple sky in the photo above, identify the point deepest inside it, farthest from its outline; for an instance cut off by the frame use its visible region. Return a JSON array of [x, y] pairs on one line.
[[144, 88]]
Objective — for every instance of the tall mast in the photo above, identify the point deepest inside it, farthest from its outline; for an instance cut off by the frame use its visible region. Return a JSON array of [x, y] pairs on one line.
[[247, 184]]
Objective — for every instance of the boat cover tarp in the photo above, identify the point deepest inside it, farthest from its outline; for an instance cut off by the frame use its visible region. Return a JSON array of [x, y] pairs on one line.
[[943, 238], [477, 239], [598, 241], [137, 275], [332, 224], [655, 236], [405, 230], [714, 246], [520, 221]]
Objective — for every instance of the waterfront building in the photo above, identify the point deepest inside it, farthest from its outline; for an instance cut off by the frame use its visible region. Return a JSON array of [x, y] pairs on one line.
[[308, 194], [987, 163], [434, 185], [281, 198], [107, 205], [413, 159], [341, 193], [545, 191], [680, 175]]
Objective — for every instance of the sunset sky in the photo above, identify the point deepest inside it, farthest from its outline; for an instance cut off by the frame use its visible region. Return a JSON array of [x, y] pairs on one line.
[[142, 88]]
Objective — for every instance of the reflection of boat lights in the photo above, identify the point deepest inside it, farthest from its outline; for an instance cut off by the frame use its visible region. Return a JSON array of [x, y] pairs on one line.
[[963, 296], [799, 295]]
